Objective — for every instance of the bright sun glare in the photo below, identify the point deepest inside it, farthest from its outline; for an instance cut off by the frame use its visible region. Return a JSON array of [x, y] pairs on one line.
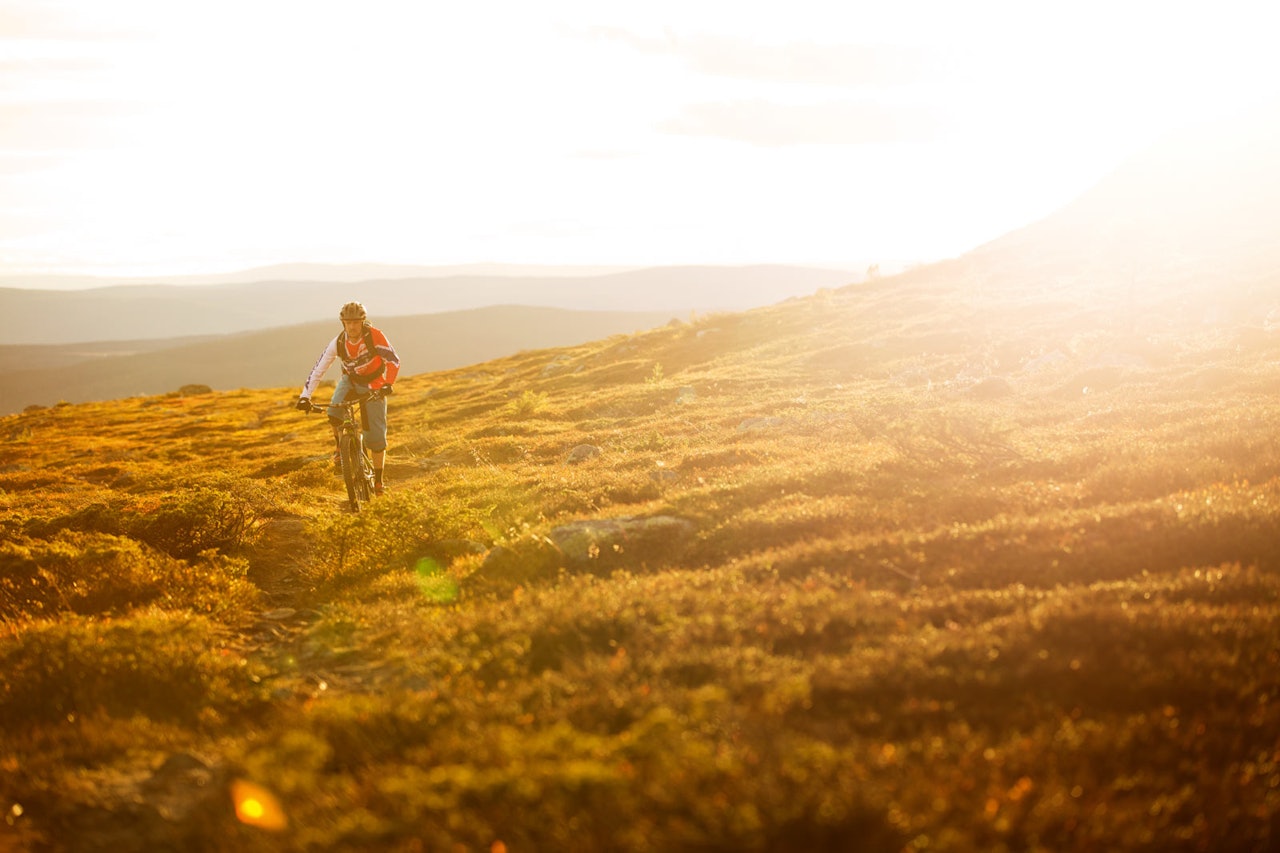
[[162, 138]]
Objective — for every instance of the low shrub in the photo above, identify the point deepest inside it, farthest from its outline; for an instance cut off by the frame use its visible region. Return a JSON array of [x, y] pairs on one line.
[[182, 523], [98, 573], [158, 664], [389, 534], [528, 404], [194, 521]]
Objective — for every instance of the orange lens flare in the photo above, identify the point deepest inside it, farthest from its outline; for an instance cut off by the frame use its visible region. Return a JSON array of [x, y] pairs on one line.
[[256, 806]]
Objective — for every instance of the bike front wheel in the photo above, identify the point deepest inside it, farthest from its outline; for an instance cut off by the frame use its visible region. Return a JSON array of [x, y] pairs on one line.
[[352, 471], [364, 488]]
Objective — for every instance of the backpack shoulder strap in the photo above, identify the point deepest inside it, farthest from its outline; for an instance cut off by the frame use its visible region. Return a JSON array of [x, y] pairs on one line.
[[341, 344], [373, 353]]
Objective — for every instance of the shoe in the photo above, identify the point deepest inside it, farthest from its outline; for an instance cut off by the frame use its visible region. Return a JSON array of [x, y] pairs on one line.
[[378, 490], [337, 461]]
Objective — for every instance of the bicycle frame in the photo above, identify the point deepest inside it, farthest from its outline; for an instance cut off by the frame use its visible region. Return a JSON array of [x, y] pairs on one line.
[[354, 459]]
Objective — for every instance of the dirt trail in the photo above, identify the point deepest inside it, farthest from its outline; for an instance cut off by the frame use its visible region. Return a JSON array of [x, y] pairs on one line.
[[170, 806], [276, 558]]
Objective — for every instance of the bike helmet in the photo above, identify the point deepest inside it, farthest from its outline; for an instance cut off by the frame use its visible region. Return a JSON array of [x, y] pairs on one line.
[[352, 311]]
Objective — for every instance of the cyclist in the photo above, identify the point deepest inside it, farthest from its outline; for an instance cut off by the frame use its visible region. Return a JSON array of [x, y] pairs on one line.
[[369, 363]]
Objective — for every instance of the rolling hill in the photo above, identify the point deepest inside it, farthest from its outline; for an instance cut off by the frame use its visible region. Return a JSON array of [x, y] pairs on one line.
[[981, 557], [145, 311], [282, 357]]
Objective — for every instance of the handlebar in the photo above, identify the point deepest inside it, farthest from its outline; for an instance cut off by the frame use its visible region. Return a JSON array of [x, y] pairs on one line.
[[375, 394]]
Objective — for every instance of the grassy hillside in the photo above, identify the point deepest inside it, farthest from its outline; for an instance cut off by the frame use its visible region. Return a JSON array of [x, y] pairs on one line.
[[921, 564]]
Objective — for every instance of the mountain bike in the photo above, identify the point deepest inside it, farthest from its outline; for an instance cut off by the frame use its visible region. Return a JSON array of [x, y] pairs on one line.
[[353, 458]]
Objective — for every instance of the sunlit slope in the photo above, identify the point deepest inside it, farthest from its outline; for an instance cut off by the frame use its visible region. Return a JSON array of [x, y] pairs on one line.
[[1193, 222], [891, 563]]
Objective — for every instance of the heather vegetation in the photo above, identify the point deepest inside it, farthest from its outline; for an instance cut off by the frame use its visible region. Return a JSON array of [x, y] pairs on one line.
[[902, 566]]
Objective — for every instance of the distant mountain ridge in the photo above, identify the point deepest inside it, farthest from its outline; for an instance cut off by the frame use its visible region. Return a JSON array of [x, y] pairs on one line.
[[143, 311], [305, 272]]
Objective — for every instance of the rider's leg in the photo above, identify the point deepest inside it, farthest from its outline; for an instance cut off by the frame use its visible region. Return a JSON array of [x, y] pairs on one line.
[[375, 439]]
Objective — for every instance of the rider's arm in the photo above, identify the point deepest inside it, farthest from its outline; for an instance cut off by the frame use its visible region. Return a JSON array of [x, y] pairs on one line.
[[390, 360], [317, 373]]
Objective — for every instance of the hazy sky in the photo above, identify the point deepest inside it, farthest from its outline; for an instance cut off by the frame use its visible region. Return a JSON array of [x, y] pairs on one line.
[[167, 136]]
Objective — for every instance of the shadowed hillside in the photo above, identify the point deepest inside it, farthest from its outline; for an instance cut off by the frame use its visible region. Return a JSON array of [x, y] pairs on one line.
[[944, 561]]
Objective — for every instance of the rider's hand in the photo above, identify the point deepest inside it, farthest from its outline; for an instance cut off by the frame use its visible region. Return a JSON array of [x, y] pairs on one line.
[[304, 404], [385, 391]]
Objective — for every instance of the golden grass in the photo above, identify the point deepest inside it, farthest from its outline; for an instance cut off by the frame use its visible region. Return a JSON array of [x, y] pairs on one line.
[[964, 574]]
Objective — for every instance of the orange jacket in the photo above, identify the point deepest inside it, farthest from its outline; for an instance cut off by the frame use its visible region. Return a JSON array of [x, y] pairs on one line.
[[369, 369]]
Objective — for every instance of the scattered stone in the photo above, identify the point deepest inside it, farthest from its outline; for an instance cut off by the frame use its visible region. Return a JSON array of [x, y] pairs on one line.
[[521, 563], [611, 541], [582, 453], [753, 424], [686, 395], [280, 467], [662, 475], [554, 366], [1214, 379], [1048, 361], [1095, 379], [404, 468], [456, 456], [911, 379], [172, 809], [183, 785], [1119, 359], [991, 388]]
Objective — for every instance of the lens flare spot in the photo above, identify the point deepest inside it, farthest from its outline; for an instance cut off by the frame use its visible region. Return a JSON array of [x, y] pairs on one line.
[[433, 583], [256, 806]]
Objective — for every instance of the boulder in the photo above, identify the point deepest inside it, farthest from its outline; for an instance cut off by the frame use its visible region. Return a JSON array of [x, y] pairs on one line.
[[618, 541], [755, 424], [582, 453]]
